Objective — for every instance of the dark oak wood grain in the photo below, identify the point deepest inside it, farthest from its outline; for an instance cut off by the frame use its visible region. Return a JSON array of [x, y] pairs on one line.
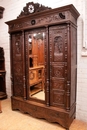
[[58, 54]]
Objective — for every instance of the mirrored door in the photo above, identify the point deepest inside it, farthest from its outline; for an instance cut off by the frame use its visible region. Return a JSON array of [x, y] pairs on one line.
[[36, 48]]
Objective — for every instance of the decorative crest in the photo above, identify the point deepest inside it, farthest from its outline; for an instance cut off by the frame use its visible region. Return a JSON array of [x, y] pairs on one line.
[[32, 8]]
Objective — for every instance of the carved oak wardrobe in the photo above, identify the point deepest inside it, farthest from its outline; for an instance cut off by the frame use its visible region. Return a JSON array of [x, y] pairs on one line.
[[43, 51]]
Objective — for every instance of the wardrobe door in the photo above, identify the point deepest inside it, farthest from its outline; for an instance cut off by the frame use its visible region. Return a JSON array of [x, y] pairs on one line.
[[35, 62], [58, 65], [17, 69]]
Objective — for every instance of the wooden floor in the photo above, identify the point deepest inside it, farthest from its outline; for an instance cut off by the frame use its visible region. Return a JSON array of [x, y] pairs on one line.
[[15, 120]]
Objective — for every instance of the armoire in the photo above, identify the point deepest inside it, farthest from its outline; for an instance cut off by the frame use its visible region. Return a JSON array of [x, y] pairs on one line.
[[43, 54]]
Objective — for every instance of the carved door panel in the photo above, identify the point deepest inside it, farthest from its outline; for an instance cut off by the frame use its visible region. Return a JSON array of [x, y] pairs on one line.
[[58, 64], [17, 63]]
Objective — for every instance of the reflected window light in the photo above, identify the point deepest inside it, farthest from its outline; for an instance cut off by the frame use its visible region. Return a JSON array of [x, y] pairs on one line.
[[30, 39], [34, 34], [43, 34]]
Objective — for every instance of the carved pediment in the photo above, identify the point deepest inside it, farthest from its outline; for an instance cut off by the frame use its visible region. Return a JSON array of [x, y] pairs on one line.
[[31, 8]]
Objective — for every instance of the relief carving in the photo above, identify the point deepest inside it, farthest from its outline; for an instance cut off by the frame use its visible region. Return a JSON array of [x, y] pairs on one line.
[[18, 44], [58, 48], [18, 79], [58, 72], [46, 20], [58, 98], [62, 15], [18, 47], [49, 19], [18, 90], [18, 68], [58, 85]]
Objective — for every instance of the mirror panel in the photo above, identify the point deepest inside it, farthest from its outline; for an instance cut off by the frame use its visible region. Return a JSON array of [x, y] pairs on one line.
[[36, 43]]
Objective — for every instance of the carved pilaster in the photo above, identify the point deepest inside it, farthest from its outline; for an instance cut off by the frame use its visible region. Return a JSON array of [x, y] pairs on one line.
[[68, 69], [47, 68], [68, 96], [10, 38], [23, 67]]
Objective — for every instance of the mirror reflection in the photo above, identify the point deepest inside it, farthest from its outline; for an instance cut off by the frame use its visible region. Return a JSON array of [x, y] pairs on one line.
[[36, 65]]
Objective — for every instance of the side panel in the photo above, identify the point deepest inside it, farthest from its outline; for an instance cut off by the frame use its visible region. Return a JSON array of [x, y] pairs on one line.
[[58, 65], [17, 64], [73, 64]]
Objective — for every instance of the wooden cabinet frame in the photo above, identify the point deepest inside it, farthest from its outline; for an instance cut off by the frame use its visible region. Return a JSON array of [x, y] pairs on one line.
[[60, 26]]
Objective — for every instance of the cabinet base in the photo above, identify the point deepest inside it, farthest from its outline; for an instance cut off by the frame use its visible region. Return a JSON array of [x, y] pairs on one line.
[[38, 110]]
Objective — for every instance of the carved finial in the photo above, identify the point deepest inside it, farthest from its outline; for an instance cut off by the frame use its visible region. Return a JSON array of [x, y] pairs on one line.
[[32, 8]]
